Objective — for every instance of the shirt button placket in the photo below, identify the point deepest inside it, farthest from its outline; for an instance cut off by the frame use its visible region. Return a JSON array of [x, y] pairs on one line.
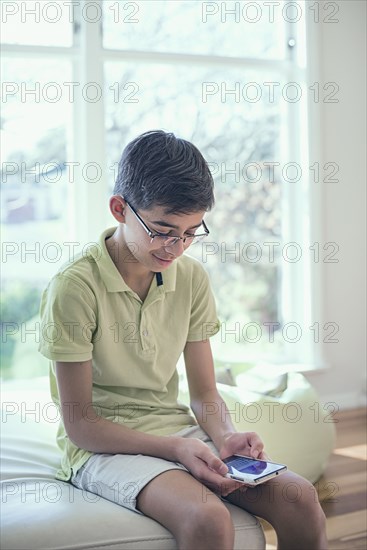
[[144, 332]]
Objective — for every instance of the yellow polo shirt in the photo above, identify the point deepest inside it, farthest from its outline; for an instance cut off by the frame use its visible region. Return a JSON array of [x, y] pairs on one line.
[[89, 312]]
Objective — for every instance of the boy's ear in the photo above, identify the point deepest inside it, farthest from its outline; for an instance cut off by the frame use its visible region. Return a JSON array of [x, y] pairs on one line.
[[118, 208]]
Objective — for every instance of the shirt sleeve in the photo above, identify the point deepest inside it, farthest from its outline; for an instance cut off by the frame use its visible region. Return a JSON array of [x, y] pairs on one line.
[[68, 320], [204, 322]]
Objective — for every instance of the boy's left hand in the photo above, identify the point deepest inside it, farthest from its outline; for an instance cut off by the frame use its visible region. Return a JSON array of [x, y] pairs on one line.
[[243, 443]]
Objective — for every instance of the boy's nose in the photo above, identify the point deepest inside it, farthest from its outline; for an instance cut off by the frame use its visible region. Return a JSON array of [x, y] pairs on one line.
[[176, 249]]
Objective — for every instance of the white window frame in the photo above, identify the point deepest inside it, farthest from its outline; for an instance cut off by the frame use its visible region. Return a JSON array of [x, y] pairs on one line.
[[88, 145]]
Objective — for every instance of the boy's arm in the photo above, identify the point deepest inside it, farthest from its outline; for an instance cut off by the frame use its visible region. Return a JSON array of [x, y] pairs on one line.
[[92, 432], [209, 408]]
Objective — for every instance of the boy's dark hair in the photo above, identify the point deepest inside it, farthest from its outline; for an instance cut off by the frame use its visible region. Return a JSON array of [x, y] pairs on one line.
[[157, 168]]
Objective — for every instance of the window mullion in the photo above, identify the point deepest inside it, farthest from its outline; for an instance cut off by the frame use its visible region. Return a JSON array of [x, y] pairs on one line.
[[315, 194], [296, 303], [90, 188]]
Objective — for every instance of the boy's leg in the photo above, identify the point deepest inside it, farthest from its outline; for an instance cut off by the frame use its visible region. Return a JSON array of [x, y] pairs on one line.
[[196, 517], [291, 505]]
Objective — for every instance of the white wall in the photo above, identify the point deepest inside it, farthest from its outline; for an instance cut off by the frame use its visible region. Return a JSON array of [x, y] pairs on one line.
[[342, 59]]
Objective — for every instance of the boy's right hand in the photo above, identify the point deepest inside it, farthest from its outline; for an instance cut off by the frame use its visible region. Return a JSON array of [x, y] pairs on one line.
[[205, 466]]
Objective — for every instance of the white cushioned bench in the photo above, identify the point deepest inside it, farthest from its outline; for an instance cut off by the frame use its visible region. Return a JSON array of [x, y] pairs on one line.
[[39, 512]]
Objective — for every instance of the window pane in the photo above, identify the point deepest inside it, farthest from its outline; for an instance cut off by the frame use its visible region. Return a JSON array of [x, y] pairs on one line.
[[195, 28], [34, 201], [236, 138], [37, 23]]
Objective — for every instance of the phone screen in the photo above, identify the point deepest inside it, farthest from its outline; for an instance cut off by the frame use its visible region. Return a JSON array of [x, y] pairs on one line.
[[241, 465]]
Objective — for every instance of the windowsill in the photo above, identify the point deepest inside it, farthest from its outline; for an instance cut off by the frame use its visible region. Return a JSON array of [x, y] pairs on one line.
[[303, 367], [274, 369]]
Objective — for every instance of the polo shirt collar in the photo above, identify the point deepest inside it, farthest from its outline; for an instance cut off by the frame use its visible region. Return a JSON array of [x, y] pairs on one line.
[[110, 275]]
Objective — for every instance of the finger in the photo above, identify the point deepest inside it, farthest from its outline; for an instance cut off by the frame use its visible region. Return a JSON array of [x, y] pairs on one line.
[[224, 486], [264, 456], [217, 482], [213, 480], [230, 485], [214, 463], [256, 445]]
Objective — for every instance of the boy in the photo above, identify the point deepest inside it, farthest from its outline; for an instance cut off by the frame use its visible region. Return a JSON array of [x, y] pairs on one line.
[[120, 317]]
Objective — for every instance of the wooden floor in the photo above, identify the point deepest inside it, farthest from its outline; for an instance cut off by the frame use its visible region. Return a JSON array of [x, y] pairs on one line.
[[342, 488]]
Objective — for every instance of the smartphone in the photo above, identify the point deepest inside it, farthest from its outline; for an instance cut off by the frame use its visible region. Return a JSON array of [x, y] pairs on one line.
[[252, 471]]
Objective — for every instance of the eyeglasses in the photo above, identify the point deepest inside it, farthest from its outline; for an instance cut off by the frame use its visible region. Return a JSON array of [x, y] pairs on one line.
[[165, 240]]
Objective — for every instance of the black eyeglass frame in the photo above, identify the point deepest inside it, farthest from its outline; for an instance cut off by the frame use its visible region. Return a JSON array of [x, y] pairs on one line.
[[175, 239]]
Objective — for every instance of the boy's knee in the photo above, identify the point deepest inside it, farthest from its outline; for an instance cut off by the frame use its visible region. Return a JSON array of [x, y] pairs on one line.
[[313, 507], [213, 517], [302, 497]]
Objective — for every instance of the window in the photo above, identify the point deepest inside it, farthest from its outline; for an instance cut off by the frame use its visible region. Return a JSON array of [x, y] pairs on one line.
[[83, 78]]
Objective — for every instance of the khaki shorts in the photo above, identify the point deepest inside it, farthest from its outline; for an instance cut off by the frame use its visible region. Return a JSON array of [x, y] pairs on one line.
[[120, 478]]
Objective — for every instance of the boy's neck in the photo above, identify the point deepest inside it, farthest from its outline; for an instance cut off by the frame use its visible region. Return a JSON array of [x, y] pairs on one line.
[[127, 265]]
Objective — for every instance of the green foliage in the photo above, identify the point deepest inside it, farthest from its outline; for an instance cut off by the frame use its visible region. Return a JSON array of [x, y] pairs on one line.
[[19, 303]]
